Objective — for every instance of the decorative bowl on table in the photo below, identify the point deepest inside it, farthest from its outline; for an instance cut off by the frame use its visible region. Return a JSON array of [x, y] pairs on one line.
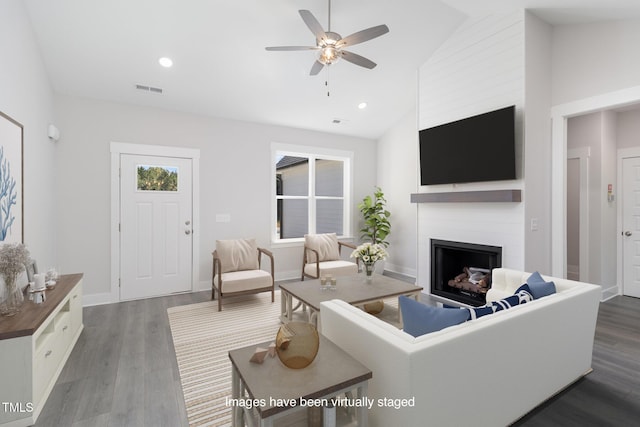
[[297, 344]]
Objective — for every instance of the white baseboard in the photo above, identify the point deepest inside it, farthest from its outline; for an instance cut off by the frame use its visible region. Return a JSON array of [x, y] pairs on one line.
[[394, 268], [288, 275], [573, 272], [609, 293], [97, 299], [203, 285]]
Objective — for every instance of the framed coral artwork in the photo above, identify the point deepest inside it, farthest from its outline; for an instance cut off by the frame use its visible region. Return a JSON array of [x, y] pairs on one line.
[[11, 196]]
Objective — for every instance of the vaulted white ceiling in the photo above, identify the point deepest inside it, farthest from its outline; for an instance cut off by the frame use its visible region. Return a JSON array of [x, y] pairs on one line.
[[102, 49]]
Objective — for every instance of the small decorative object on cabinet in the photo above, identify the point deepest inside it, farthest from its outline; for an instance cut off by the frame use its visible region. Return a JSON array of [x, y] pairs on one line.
[[297, 344], [34, 347], [13, 257]]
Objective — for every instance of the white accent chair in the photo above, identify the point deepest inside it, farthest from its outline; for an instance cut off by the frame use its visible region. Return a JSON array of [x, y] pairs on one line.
[[236, 269], [322, 256]]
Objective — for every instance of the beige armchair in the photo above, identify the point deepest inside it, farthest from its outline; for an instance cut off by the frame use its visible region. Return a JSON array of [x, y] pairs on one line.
[[322, 256], [236, 269]]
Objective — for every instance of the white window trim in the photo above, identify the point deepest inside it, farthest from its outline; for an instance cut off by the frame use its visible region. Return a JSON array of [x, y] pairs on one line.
[[325, 153]]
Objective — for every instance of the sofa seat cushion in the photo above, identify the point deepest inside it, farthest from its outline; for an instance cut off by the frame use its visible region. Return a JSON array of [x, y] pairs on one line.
[[245, 280], [419, 319], [335, 268]]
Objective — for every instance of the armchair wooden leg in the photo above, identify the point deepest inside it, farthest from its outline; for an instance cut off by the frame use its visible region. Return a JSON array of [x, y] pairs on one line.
[[220, 302]]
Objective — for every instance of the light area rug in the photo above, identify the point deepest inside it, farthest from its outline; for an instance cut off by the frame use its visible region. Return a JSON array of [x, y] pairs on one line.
[[203, 336]]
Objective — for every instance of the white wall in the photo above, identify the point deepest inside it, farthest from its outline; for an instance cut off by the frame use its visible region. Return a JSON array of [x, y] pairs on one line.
[[608, 234], [479, 69], [537, 146], [398, 177], [596, 58], [235, 178], [628, 132], [26, 96]]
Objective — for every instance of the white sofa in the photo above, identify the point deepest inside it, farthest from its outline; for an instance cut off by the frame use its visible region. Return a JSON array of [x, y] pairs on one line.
[[486, 372]]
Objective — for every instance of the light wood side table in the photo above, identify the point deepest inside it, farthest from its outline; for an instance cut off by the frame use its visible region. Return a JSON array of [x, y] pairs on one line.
[[332, 373]]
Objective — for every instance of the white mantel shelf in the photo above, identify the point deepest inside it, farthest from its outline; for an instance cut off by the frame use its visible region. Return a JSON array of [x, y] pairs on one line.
[[490, 196]]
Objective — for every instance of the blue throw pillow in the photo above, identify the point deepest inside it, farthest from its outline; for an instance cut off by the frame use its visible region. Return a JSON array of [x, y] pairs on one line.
[[539, 288], [419, 319], [521, 296]]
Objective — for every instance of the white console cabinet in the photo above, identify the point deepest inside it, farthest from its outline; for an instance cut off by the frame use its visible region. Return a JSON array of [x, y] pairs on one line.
[[34, 347]]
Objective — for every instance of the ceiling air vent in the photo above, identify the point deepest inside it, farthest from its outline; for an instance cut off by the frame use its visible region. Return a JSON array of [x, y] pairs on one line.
[[149, 88]]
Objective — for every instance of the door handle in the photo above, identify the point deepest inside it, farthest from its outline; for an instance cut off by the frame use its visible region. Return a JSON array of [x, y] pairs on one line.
[[187, 232], [628, 233]]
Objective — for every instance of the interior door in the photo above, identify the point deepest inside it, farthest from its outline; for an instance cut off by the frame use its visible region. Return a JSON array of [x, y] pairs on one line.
[[631, 226], [155, 225]]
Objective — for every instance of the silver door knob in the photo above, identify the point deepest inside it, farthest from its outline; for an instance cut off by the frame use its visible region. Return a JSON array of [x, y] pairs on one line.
[[187, 232], [628, 233]]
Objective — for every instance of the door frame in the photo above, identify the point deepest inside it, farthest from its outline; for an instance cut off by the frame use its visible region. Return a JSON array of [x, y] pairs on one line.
[[583, 154], [119, 148], [623, 153], [559, 116]]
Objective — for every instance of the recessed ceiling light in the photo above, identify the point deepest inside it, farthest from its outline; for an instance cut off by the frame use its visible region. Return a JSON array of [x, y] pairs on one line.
[[165, 62], [362, 105]]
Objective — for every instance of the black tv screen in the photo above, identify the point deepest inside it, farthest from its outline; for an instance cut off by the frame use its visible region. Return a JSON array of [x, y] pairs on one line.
[[475, 149]]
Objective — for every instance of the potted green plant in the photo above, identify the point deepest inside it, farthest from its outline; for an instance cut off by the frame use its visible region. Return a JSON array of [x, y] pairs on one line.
[[376, 218]]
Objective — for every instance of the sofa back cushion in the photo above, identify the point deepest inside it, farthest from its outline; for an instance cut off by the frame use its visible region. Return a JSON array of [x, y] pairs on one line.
[[236, 255], [325, 244], [419, 319], [522, 296], [539, 287]]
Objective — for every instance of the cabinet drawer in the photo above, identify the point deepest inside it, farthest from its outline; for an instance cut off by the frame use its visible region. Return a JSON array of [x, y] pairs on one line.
[[75, 300], [45, 362], [50, 349]]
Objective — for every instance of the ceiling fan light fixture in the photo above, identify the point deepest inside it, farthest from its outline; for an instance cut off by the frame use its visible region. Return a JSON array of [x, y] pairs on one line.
[[328, 55]]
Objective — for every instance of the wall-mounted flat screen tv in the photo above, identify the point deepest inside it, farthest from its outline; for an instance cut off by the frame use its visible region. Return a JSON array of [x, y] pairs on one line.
[[474, 149]]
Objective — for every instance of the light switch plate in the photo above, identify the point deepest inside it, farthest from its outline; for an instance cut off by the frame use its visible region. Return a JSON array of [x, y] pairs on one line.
[[223, 218]]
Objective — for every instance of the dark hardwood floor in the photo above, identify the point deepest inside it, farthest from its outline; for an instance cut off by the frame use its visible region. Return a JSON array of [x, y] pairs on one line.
[[610, 395], [123, 371]]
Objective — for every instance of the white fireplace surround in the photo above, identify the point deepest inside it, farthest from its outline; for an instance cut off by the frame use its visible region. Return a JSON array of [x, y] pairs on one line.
[[493, 224]]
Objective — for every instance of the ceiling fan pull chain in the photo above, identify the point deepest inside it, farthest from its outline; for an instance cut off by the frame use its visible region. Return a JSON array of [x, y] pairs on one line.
[[326, 82]]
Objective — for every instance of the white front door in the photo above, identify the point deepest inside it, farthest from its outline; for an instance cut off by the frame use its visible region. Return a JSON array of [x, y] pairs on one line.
[[631, 226], [156, 248]]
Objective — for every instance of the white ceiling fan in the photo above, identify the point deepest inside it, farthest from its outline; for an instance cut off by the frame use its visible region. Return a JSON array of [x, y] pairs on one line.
[[331, 45]]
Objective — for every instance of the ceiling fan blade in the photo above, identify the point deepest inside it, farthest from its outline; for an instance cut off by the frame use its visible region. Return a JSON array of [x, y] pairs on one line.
[[363, 36], [315, 69], [354, 58], [313, 24], [287, 48]]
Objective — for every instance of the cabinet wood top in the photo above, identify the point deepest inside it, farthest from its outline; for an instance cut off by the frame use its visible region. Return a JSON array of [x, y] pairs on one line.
[[31, 315]]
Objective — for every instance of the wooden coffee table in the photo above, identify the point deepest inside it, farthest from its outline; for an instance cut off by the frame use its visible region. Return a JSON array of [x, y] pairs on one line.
[[271, 387], [352, 289]]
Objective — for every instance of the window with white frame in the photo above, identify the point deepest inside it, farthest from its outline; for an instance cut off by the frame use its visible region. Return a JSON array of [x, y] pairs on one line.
[[312, 191]]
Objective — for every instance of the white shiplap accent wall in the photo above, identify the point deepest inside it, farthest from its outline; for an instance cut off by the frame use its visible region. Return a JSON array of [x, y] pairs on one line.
[[479, 69]]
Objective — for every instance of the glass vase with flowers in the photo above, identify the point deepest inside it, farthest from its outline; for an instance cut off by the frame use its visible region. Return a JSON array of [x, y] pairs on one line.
[[13, 257]]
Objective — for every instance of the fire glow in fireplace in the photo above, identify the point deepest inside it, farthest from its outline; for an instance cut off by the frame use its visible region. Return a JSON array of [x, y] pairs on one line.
[[462, 271]]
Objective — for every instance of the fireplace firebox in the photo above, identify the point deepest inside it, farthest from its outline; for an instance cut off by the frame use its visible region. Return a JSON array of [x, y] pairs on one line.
[[461, 271]]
